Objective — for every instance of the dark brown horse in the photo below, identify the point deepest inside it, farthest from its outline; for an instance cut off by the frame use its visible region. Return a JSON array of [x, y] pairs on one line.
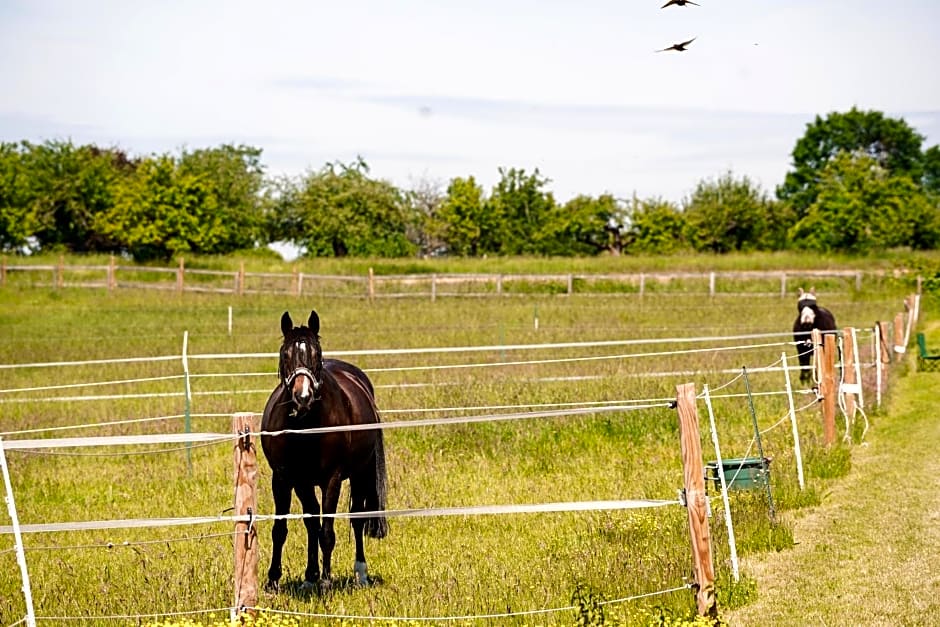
[[810, 316], [316, 392]]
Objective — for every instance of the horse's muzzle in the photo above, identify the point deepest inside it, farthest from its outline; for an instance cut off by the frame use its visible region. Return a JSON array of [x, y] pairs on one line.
[[304, 387]]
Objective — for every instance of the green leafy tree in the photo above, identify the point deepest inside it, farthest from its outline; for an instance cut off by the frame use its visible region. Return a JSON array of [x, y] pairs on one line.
[[234, 177], [282, 222], [520, 207], [893, 145], [582, 226], [18, 217], [68, 188], [655, 226], [163, 212], [463, 218], [339, 211], [862, 207], [932, 170], [727, 214], [423, 204]]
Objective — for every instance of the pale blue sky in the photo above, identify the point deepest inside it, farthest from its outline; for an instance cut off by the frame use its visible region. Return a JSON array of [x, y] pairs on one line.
[[430, 90]]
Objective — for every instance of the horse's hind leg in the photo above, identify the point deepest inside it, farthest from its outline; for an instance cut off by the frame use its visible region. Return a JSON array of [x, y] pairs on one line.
[[358, 524], [327, 536], [311, 508], [281, 491]]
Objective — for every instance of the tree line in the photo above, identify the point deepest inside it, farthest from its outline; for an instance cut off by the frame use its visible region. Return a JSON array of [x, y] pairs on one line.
[[859, 182]]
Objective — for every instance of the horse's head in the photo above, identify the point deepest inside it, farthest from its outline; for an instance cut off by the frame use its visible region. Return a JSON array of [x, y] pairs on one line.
[[301, 363], [806, 306]]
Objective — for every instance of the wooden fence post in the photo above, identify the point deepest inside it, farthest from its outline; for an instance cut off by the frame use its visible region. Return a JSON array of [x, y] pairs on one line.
[[371, 286], [694, 481], [295, 282], [711, 283], [60, 272], [783, 285], [899, 346], [824, 346], [246, 505], [241, 279], [112, 273], [642, 284], [882, 330], [179, 276], [570, 284]]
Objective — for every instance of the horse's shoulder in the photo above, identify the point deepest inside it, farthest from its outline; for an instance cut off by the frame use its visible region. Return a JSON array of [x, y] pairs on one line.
[[338, 365], [275, 409], [345, 371], [352, 383], [830, 318]]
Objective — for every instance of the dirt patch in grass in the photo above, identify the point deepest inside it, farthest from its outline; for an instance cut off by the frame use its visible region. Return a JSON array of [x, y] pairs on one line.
[[868, 554]]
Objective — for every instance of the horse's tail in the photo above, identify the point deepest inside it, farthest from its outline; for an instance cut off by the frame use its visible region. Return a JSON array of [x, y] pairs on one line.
[[377, 526]]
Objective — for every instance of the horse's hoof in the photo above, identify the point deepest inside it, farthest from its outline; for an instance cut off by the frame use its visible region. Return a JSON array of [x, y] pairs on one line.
[[362, 575], [272, 586], [325, 585], [308, 586]]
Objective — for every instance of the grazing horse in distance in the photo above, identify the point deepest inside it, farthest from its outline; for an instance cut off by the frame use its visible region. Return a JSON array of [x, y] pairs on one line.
[[316, 393], [810, 316]]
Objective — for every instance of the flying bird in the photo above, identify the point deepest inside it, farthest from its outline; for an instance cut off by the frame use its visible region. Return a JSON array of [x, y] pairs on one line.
[[678, 3], [678, 47]]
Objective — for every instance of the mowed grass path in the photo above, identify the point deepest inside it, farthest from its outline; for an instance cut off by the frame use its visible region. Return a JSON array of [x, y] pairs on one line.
[[870, 554]]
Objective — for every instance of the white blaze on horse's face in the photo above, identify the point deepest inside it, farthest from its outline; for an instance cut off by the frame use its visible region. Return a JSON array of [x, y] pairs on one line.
[[807, 315], [303, 395], [302, 381]]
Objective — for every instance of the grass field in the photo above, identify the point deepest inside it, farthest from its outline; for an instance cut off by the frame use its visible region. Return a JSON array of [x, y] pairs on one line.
[[428, 567], [866, 556]]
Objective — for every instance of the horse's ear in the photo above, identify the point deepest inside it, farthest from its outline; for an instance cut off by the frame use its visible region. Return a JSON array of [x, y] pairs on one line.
[[287, 324], [812, 291], [314, 322], [799, 292]]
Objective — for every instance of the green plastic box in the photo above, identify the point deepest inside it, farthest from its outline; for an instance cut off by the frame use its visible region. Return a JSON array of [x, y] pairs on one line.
[[740, 474]]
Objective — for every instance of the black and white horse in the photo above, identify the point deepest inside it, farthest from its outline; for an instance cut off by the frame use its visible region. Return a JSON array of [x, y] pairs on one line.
[[811, 316]]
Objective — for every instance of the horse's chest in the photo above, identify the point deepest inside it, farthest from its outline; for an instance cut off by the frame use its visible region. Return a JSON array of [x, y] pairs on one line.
[[314, 456]]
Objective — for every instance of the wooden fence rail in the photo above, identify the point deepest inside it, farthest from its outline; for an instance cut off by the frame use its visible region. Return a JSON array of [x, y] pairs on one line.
[[113, 276]]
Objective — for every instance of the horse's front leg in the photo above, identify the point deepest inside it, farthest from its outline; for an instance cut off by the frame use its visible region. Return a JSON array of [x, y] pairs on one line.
[[311, 507], [805, 358], [331, 492], [280, 488]]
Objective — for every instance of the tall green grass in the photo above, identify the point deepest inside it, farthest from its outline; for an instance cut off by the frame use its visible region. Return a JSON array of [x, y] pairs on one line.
[[447, 566]]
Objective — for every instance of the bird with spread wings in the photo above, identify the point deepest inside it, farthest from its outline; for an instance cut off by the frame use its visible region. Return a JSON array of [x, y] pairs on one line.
[[678, 47], [678, 3]]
